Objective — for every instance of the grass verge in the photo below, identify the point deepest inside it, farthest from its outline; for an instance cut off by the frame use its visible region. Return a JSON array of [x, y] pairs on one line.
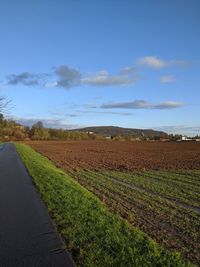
[[93, 235]]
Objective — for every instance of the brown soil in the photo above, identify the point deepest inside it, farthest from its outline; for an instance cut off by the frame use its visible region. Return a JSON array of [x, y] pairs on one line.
[[116, 155], [164, 226]]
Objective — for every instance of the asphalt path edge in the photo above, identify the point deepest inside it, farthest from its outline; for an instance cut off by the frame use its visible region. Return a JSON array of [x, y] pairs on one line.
[[28, 235]]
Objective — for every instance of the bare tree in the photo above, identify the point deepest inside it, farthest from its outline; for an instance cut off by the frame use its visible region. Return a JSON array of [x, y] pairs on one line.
[[4, 103]]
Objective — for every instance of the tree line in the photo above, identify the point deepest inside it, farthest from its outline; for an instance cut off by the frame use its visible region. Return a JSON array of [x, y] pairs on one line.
[[12, 131]]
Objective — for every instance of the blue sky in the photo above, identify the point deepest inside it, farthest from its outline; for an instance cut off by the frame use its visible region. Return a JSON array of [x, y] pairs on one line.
[[81, 63]]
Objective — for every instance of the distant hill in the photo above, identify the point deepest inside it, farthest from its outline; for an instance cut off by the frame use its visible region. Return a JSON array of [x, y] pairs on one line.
[[115, 131]]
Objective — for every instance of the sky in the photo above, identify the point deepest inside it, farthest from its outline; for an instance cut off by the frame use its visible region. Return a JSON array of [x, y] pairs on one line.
[[74, 63]]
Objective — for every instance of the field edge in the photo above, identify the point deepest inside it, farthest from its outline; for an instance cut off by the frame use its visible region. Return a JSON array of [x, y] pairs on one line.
[[81, 218]]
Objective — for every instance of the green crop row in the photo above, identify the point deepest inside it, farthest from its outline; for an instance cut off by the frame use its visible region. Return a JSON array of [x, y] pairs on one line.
[[94, 236], [144, 208], [188, 194]]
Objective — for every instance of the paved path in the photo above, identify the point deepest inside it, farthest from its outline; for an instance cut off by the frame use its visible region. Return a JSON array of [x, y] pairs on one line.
[[27, 235]]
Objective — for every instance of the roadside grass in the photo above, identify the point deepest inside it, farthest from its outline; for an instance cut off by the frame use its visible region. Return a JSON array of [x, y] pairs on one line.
[[93, 235]]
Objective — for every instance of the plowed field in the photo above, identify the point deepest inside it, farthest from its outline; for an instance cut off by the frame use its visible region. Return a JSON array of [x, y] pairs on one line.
[[153, 185], [94, 155]]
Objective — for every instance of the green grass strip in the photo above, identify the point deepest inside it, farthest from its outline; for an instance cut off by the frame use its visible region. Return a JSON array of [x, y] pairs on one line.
[[93, 235]]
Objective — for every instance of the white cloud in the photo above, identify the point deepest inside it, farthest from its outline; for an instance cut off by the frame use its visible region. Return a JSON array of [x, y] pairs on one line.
[[152, 62], [128, 70], [103, 78], [106, 112], [67, 77], [102, 73], [157, 63], [167, 79], [48, 123], [51, 84], [168, 105], [142, 104]]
